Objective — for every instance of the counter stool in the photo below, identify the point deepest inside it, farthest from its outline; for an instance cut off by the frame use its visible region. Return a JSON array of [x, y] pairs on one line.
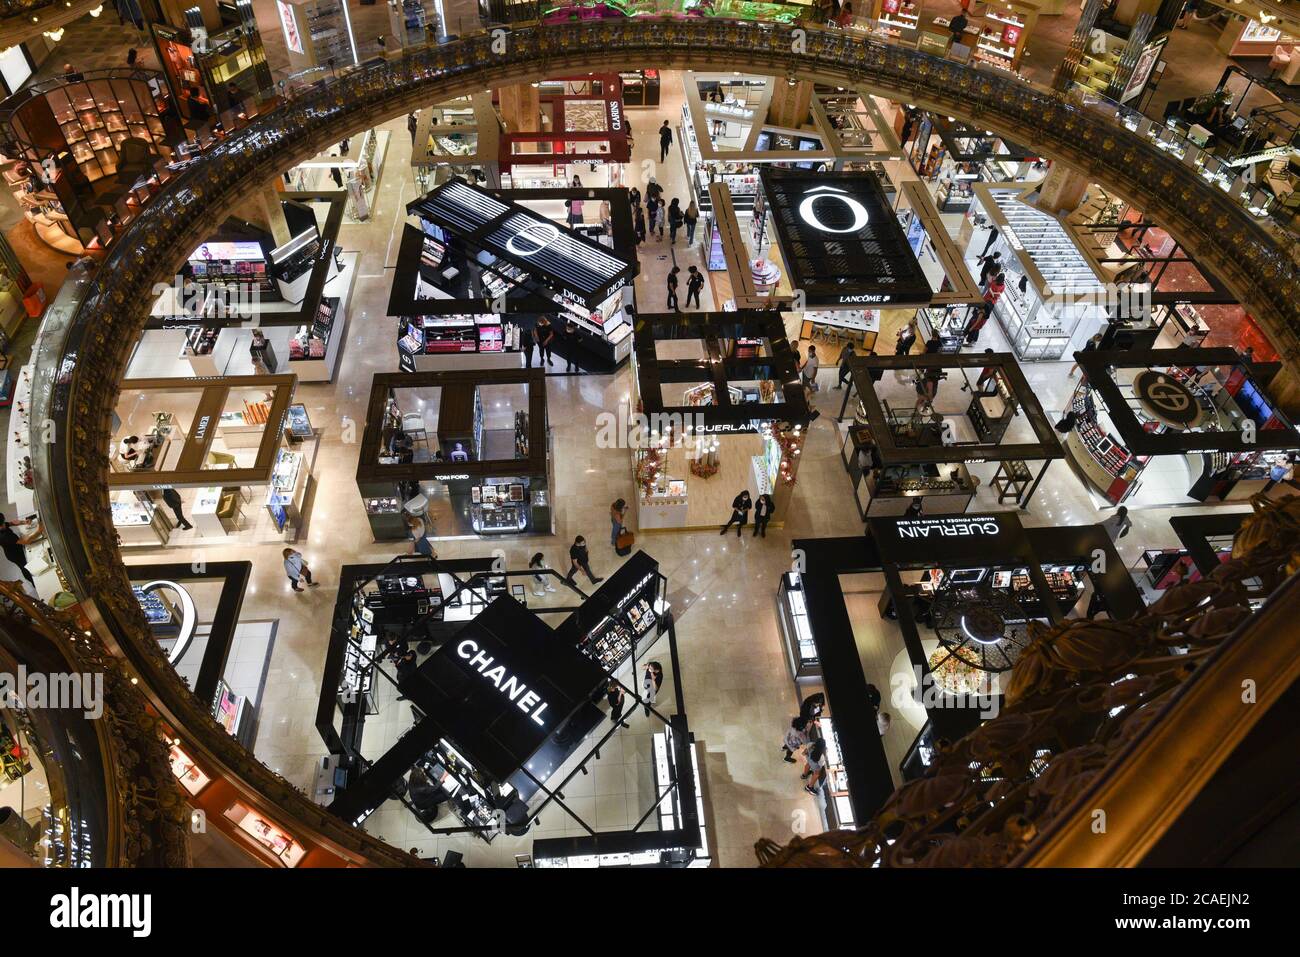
[[1011, 480], [413, 425]]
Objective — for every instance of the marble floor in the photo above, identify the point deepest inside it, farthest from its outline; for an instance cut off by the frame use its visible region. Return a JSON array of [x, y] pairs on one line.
[[735, 682]]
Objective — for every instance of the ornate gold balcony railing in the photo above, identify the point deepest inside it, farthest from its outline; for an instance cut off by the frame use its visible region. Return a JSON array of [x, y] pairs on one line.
[[1109, 732], [90, 331], [123, 808]]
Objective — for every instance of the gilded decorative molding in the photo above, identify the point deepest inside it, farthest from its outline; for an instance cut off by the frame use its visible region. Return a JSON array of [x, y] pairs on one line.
[[1083, 699], [85, 373], [149, 820]]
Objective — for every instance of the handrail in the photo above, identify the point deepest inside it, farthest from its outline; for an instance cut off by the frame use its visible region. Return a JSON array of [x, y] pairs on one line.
[[85, 344]]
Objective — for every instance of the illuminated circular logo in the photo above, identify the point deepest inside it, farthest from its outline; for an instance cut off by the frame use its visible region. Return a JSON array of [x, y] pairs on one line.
[[537, 235], [189, 617], [808, 209], [1167, 399]]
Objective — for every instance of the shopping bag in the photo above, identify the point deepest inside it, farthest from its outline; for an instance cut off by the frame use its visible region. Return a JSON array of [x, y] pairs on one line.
[[623, 544]]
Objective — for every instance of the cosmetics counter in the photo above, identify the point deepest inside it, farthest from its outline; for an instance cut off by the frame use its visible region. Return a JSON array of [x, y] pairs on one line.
[[881, 490], [572, 277], [1053, 301], [630, 609]]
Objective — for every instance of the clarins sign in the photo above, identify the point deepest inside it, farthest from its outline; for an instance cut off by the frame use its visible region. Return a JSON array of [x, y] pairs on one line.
[[525, 699]]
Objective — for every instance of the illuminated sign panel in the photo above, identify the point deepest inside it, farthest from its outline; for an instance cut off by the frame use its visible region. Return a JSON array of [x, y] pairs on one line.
[[841, 241]]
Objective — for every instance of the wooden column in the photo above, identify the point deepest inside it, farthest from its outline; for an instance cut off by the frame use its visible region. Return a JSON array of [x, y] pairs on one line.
[[791, 105], [262, 208], [1062, 189], [521, 108]]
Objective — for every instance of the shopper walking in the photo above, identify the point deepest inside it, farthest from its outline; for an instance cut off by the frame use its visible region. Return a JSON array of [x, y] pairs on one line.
[[614, 695], [419, 533], [653, 191], [14, 547], [796, 738], [653, 207], [541, 583], [617, 513], [295, 566], [990, 266], [675, 219], [665, 140], [1118, 525], [997, 285], [257, 353], [545, 340], [173, 500], [763, 510], [570, 342], [694, 286], [410, 125], [672, 287], [906, 338], [578, 560], [691, 217], [638, 224], [814, 771], [526, 343], [809, 368], [740, 506], [1090, 346], [846, 354], [652, 679], [634, 197]]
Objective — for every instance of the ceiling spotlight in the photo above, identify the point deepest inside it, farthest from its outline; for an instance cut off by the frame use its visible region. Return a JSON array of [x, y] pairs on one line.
[[97, 11]]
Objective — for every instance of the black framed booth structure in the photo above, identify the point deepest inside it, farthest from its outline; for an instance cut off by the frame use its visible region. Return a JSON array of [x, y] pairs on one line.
[[953, 598], [898, 449], [464, 478], [481, 255], [1210, 406], [502, 707], [187, 630], [719, 408]]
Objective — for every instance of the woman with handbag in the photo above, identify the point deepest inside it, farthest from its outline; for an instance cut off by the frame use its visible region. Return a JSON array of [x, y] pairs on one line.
[[295, 567], [617, 511]]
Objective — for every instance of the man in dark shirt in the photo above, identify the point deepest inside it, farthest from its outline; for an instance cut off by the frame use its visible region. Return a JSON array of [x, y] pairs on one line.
[[12, 546], [665, 140], [578, 559]]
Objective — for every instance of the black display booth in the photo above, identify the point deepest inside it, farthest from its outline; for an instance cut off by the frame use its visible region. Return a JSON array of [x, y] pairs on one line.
[[1185, 401], [973, 582], [466, 493], [840, 240], [898, 455], [500, 701], [482, 260]]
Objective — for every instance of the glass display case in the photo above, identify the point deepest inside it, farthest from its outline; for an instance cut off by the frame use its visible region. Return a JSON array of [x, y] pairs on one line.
[[1052, 295], [800, 649]]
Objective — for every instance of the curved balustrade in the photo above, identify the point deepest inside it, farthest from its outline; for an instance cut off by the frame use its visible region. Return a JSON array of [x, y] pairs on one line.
[[88, 335]]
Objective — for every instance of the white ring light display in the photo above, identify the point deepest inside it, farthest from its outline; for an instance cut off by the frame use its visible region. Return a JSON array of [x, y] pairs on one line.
[[189, 617], [808, 214], [550, 231]]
